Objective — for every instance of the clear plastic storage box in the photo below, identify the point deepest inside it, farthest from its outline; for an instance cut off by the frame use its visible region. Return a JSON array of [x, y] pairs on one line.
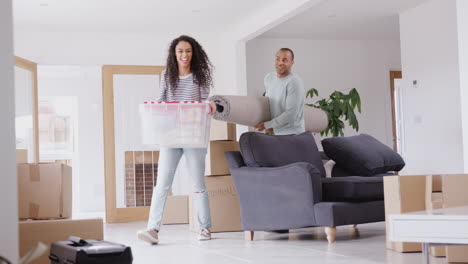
[[175, 124]]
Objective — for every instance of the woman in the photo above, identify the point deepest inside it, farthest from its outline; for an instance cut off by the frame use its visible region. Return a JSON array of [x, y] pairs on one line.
[[188, 77]]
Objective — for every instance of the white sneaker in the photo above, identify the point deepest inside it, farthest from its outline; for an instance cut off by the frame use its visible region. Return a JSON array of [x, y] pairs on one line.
[[204, 234], [149, 235]]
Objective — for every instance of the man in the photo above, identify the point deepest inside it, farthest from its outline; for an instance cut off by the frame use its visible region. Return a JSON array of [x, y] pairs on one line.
[[286, 94]]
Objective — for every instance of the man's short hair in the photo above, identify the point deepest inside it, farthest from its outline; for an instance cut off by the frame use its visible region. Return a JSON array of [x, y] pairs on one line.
[[290, 50]]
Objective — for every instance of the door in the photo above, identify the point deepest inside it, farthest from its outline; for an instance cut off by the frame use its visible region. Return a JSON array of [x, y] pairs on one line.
[[394, 75], [26, 110], [399, 115], [130, 167]]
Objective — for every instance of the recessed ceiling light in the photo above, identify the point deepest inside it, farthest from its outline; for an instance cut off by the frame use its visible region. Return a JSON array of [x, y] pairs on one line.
[[196, 11], [44, 5], [331, 15]]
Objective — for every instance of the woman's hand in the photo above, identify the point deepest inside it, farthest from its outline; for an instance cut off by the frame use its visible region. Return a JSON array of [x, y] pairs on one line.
[[212, 108]]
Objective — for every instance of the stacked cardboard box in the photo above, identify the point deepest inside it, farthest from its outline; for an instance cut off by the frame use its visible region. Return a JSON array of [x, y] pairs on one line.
[[45, 190], [220, 130], [48, 231], [404, 194], [222, 139], [224, 204], [21, 156], [45, 198], [216, 163], [454, 194], [434, 200], [176, 210], [426, 192]]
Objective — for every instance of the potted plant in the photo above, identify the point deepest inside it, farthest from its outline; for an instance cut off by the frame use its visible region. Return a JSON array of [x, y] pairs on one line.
[[338, 106]]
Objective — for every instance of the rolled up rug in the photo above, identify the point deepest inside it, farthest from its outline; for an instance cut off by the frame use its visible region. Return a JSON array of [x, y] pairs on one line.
[[315, 119], [241, 110], [251, 110]]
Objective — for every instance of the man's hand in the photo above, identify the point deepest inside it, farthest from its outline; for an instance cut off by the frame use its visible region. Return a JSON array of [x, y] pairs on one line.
[[260, 127], [269, 131]]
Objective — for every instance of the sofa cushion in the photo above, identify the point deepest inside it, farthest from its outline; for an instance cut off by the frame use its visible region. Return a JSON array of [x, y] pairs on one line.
[[262, 150], [362, 155], [352, 188]]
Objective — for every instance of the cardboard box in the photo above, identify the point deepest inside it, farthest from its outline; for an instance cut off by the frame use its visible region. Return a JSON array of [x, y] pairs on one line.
[[220, 130], [176, 210], [404, 194], [441, 191], [224, 205], [434, 200], [436, 183], [31, 232], [454, 194], [44, 190], [21, 156], [216, 163]]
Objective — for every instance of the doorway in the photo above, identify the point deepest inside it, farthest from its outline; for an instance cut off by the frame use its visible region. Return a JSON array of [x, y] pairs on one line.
[[129, 165], [394, 98]]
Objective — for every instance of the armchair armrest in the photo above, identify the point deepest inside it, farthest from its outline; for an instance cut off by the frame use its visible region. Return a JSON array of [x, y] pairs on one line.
[[277, 198], [234, 159]]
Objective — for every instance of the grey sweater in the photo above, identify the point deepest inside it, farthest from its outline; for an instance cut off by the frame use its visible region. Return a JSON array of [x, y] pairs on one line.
[[286, 96]]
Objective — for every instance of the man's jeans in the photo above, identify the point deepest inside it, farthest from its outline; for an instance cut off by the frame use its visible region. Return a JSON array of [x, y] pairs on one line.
[[168, 160]]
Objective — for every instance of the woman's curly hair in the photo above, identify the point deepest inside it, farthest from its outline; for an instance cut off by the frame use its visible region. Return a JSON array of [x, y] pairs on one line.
[[200, 65]]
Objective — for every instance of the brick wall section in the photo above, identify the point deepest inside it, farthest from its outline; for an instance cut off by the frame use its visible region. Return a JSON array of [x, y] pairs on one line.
[[139, 182], [139, 185], [130, 185]]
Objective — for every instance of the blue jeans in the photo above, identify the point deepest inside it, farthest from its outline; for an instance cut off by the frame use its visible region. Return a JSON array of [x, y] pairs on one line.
[[168, 160]]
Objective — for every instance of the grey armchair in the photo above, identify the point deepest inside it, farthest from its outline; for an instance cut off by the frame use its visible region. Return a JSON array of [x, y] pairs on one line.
[[281, 185]]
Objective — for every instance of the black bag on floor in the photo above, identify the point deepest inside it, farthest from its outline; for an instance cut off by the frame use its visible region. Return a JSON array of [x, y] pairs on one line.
[[78, 251]]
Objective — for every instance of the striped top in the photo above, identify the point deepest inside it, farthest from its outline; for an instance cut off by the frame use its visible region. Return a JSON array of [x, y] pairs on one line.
[[186, 90]]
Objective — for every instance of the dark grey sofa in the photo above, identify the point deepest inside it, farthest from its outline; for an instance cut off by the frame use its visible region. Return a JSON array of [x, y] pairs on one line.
[[281, 185]]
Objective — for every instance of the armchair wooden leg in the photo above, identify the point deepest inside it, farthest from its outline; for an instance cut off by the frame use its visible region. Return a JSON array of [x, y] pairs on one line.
[[285, 231], [331, 234], [354, 232], [249, 235]]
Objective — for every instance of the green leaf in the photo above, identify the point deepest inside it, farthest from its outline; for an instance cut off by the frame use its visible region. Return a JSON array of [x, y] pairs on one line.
[[355, 98], [310, 93], [339, 108]]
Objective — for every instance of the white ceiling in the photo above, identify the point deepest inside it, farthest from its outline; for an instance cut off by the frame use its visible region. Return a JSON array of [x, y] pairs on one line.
[[330, 19], [131, 15], [346, 19]]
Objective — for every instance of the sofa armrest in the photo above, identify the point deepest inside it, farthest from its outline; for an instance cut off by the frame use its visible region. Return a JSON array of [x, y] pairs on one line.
[[234, 159], [277, 198]]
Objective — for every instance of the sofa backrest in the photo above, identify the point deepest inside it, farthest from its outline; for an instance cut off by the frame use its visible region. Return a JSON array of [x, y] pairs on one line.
[[262, 150]]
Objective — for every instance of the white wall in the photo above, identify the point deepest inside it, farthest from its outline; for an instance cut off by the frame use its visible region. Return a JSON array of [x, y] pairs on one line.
[[89, 48], [84, 83], [432, 111], [255, 25], [329, 65], [462, 19], [9, 186]]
